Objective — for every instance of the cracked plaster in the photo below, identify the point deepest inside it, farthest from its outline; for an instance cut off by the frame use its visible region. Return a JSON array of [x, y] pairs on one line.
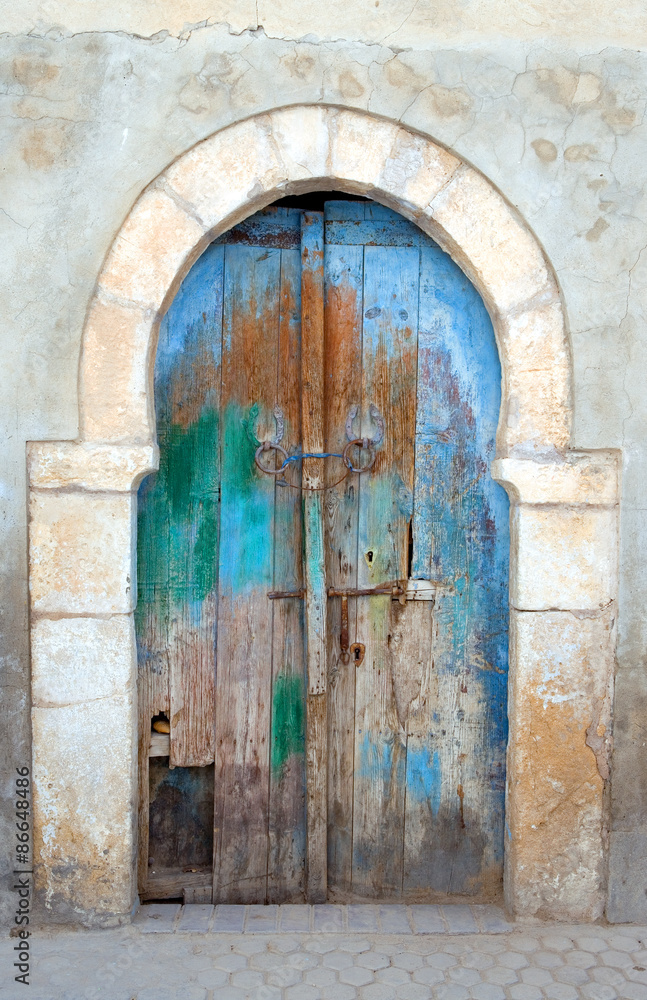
[[89, 119], [393, 22]]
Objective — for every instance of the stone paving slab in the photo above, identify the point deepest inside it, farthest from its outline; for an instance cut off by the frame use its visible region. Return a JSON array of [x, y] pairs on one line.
[[525, 961], [155, 918]]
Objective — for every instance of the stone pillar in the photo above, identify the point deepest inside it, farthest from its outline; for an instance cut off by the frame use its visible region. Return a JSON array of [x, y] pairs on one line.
[[82, 591], [563, 583]]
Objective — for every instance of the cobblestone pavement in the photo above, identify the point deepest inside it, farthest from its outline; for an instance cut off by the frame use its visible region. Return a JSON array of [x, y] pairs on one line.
[[333, 953]]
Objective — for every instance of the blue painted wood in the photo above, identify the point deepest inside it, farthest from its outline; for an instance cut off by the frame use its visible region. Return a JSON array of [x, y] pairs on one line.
[[344, 210], [376, 232], [343, 283], [418, 729], [432, 751], [456, 748], [287, 815], [389, 355], [215, 536], [178, 522], [316, 599]]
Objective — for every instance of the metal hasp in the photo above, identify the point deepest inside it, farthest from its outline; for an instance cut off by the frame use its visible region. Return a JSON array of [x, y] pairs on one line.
[[395, 589]]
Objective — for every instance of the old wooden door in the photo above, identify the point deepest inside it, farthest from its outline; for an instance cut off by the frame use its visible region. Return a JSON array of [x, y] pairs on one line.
[[328, 646]]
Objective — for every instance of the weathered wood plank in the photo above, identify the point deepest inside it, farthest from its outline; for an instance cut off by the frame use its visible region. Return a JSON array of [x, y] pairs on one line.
[[176, 541], [389, 360], [197, 893], [143, 804], [343, 210], [343, 278], [457, 733], [187, 380], [385, 232], [312, 379], [316, 797], [287, 819], [275, 227], [244, 654], [417, 700], [159, 745], [170, 883]]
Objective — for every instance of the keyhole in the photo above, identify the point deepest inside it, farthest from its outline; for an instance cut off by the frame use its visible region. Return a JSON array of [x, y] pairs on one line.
[[369, 556], [357, 651]]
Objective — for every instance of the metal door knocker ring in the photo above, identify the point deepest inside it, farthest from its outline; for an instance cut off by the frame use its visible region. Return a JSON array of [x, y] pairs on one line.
[[360, 443], [270, 446]]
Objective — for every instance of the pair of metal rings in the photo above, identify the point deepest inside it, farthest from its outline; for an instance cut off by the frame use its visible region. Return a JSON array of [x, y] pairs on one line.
[[271, 446]]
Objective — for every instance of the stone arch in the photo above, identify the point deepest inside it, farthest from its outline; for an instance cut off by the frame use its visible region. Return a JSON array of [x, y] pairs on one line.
[[247, 166], [563, 503]]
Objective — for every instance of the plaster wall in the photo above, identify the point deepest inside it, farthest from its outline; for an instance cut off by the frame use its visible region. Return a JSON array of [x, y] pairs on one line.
[[551, 112]]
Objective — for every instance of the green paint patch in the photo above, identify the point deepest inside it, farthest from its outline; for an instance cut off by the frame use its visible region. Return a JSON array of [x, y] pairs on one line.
[[288, 720], [177, 531], [246, 510]]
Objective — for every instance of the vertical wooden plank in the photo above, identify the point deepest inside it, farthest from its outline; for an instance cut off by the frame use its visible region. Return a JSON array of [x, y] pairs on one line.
[[177, 531], [343, 279], [312, 387], [417, 699], [457, 732], [244, 654], [287, 820], [389, 360], [188, 365]]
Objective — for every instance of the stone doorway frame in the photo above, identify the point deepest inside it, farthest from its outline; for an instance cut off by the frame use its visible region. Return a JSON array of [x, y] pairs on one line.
[[564, 512]]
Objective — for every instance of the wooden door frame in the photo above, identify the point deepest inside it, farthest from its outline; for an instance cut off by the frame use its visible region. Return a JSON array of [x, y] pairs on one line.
[[564, 511]]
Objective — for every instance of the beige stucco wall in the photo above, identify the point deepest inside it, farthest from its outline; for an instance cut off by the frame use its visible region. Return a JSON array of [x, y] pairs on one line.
[[400, 23], [547, 100]]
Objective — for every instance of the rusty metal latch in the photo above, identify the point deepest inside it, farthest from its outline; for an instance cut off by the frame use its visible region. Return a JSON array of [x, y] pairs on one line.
[[401, 590], [394, 589], [357, 649]]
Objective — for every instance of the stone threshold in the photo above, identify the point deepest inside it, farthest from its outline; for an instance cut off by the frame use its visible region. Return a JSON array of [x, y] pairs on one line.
[[327, 918]]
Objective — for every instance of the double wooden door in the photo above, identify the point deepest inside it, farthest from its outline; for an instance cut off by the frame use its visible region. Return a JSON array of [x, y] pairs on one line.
[[329, 646]]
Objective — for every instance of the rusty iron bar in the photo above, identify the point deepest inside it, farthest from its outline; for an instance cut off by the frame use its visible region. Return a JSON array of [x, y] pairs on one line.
[[276, 595], [394, 589], [343, 632]]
